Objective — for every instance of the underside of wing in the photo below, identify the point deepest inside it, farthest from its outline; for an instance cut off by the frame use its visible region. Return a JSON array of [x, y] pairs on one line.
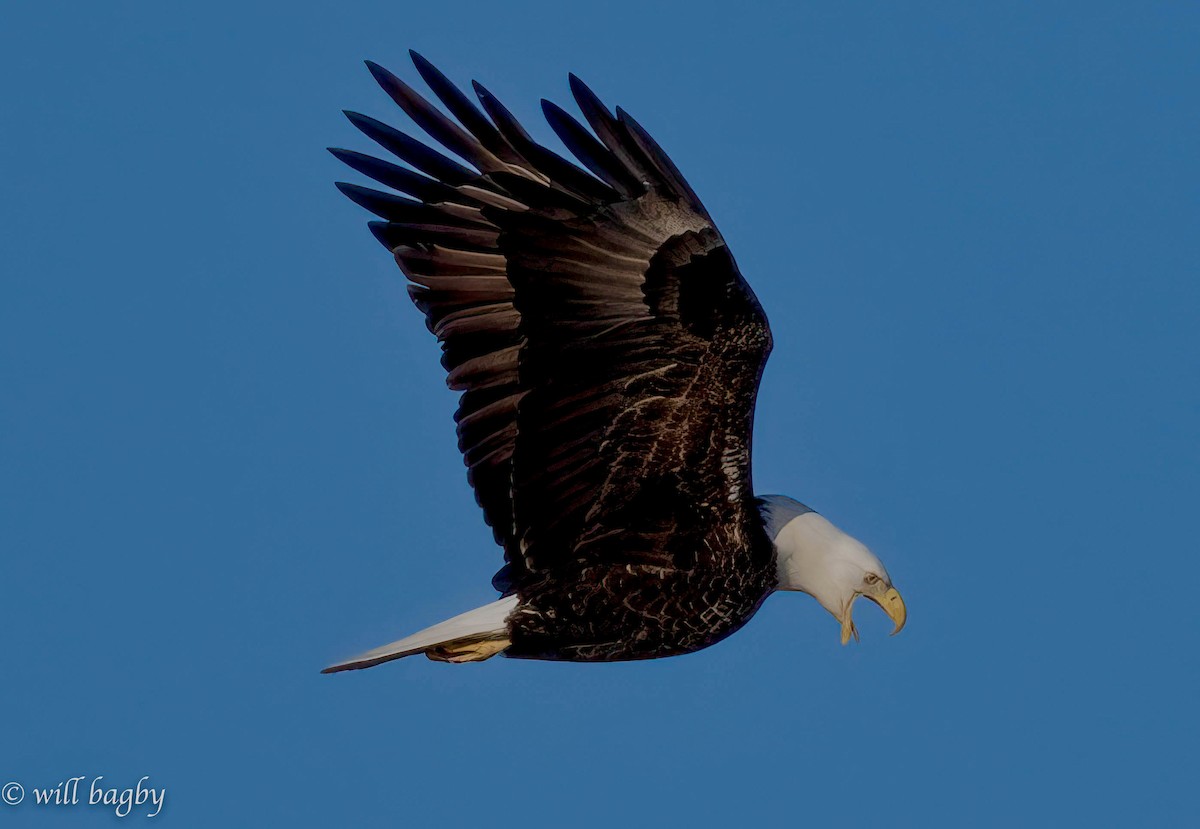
[[607, 348]]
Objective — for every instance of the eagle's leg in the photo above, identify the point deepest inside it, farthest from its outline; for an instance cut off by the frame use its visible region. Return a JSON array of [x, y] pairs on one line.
[[467, 650]]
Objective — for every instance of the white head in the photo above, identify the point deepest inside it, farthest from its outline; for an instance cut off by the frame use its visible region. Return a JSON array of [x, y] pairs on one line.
[[817, 558]]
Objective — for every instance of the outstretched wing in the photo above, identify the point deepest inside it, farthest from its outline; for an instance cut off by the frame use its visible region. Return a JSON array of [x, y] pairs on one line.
[[607, 347]]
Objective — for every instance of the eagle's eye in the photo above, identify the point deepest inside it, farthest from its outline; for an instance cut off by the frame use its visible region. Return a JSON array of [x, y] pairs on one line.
[[870, 578]]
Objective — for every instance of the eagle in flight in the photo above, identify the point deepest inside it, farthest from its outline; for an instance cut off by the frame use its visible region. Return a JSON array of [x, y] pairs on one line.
[[609, 352]]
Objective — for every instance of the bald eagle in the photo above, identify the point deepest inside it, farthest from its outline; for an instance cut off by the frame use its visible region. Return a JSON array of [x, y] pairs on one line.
[[609, 352]]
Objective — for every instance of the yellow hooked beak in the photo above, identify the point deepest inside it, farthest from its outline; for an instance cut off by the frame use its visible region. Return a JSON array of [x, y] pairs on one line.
[[886, 597]]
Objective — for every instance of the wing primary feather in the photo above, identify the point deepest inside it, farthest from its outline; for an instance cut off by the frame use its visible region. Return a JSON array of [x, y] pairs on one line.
[[398, 208], [558, 169], [401, 178], [428, 118], [379, 231], [467, 113], [411, 150], [667, 169], [594, 155], [611, 133], [504, 120], [383, 205]]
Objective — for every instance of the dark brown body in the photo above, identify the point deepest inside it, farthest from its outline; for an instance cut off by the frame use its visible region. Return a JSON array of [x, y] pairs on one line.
[[636, 612], [608, 613]]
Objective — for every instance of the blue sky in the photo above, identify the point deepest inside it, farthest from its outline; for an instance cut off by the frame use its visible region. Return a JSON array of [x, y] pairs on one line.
[[226, 454]]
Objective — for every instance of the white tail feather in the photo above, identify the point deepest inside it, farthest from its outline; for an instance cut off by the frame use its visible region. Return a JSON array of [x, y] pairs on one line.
[[480, 622]]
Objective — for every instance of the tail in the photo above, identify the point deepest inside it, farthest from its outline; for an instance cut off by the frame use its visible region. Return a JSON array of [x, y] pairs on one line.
[[470, 637]]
